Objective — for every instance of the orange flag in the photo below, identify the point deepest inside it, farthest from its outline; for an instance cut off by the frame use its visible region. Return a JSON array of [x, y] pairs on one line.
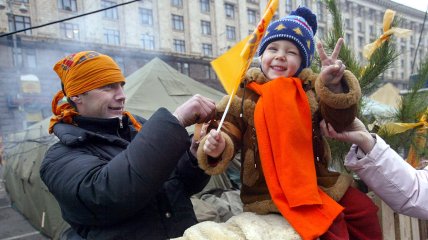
[[232, 65]]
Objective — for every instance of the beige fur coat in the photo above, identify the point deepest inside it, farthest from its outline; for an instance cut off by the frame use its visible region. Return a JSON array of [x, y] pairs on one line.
[[240, 134]]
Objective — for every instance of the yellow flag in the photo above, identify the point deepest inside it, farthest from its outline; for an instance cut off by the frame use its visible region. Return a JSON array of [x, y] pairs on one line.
[[388, 18], [232, 65], [420, 137]]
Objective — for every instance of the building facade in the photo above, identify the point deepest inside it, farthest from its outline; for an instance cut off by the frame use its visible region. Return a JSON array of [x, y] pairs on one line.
[[187, 34]]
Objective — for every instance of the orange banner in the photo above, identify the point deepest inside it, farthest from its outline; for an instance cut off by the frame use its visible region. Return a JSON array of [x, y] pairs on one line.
[[232, 65]]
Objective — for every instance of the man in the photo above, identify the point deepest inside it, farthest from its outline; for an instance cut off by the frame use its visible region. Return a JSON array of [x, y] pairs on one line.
[[115, 175]]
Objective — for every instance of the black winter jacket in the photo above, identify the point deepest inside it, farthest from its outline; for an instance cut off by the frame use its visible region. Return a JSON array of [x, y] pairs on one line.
[[109, 187]]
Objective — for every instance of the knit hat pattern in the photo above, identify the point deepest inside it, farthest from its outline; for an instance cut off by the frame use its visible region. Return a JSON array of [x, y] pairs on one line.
[[299, 27]]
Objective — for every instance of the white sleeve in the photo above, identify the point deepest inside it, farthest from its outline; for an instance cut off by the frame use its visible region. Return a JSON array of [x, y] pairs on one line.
[[398, 184]]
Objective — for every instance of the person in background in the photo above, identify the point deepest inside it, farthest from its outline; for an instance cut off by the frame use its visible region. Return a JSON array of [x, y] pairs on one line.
[[116, 175], [397, 183], [284, 157]]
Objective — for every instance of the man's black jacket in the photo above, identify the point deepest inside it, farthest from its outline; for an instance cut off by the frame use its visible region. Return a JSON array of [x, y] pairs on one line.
[[109, 187]]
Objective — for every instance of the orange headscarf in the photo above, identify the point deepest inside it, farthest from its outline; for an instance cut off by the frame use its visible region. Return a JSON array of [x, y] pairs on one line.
[[80, 73]]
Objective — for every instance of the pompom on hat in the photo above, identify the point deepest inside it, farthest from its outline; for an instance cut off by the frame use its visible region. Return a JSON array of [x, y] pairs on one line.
[[299, 27]]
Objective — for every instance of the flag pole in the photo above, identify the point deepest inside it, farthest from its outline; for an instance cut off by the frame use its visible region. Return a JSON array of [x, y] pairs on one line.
[[226, 110]]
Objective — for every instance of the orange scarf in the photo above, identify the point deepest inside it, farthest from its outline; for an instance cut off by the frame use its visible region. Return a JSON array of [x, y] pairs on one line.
[[283, 124]]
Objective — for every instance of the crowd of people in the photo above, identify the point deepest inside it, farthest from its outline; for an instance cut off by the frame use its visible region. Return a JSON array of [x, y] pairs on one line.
[[116, 175]]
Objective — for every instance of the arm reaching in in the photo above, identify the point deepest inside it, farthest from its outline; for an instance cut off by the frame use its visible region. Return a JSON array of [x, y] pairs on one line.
[[402, 187], [356, 134], [198, 109]]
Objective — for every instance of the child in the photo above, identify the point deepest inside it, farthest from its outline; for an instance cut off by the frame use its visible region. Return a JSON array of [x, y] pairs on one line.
[[274, 121]]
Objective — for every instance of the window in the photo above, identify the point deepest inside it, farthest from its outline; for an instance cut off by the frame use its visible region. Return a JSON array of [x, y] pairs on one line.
[[359, 10], [360, 27], [230, 33], [348, 39], [320, 32], [206, 27], [229, 10], [207, 49], [205, 5], [348, 23], [360, 42], [19, 22], [320, 11], [111, 36], [109, 13], [69, 30], [207, 71], [177, 3], [371, 30], [67, 5], [288, 6], [31, 58], [372, 14], [347, 6], [148, 42], [179, 46], [183, 68], [252, 16], [146, 16], [177, 22], [23, 1], [17, 57]]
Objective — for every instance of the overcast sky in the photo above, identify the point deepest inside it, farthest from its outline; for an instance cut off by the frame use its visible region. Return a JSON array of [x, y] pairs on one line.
[[418, 4]]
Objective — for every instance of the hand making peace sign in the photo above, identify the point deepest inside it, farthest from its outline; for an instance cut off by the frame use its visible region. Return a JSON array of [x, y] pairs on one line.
[[332, 69]]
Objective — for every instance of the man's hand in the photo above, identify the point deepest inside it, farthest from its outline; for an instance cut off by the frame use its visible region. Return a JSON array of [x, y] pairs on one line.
[[197, 109], [332, 69], [356, 133], [215, 144]]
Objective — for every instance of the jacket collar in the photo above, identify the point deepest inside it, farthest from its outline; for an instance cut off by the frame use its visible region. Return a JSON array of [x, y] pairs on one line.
[[111, 126], [89, 129]]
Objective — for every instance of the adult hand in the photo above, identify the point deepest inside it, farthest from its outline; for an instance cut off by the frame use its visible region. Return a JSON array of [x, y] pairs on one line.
[[356, 133], [197, 109], [215, 144], [332, 69]]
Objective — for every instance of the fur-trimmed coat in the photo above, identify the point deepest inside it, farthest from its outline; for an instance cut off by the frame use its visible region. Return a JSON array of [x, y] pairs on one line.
[[239, 133]]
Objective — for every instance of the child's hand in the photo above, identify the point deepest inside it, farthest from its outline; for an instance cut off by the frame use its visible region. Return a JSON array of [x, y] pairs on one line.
[[215, 144], [332, 69]]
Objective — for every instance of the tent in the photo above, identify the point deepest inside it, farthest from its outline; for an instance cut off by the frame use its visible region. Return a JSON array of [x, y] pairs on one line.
[[388, 95], [155, 84]]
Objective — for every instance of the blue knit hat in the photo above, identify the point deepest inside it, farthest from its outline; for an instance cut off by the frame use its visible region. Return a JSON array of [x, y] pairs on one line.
[[299, 27]]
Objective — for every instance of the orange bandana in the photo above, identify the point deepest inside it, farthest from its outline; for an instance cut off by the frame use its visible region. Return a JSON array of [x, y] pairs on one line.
[[79, 73], [282, 118]]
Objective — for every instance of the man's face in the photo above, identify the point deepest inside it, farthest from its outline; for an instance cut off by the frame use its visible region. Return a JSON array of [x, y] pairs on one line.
[[281, 59], [104, 102]]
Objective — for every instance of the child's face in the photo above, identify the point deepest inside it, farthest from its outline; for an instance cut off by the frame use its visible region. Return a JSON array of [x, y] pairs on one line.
[[281, 59]]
